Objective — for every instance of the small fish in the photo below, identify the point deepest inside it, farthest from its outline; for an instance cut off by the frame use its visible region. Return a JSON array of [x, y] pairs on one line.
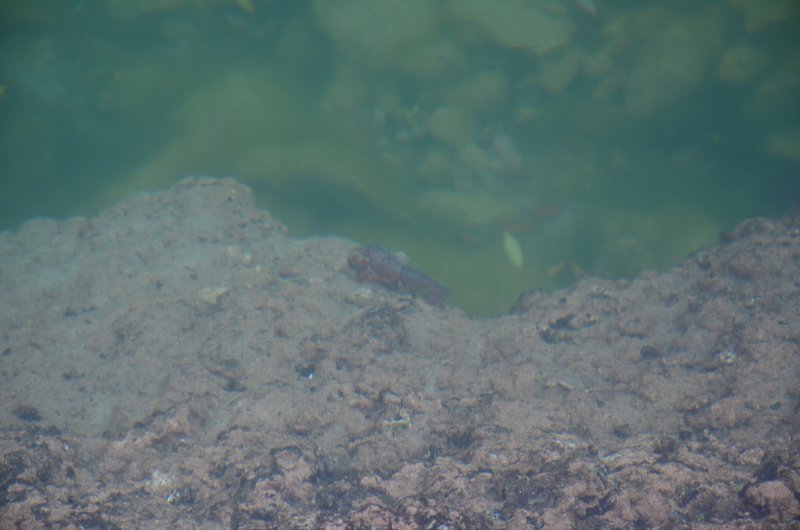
[[512, 249], [373, 263]]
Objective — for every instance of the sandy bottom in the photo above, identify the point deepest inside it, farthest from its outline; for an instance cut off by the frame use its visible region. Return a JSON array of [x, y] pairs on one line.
[[179, 362]]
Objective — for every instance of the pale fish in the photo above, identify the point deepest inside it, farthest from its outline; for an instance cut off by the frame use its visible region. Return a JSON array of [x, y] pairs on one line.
[[512, 249]]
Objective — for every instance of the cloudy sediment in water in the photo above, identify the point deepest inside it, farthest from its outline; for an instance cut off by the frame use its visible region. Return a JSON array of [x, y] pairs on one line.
[[597, 137]]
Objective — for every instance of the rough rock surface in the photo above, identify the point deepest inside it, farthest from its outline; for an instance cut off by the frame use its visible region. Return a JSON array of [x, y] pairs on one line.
[[179, 362]]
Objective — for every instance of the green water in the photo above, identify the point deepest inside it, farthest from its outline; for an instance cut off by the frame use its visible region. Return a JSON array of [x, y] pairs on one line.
[[604, 137]]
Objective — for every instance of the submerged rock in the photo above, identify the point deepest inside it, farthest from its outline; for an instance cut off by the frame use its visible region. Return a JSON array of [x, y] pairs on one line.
[[533, 26]]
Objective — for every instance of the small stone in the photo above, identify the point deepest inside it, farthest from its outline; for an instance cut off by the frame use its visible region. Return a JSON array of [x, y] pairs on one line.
[[212, 295]]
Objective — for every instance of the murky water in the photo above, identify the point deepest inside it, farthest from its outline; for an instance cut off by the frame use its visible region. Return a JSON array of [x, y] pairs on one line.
[[502, 145]]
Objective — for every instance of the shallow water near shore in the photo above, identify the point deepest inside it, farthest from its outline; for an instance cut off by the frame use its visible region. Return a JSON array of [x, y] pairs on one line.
[[179, 361]]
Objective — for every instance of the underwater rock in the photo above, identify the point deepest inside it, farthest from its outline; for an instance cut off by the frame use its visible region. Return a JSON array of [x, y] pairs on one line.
[[299, 401], [480, 91], [741, 64], [453, 126], [517, 23], [671, 64], [758, 14], [377, 32], [557, 75]]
